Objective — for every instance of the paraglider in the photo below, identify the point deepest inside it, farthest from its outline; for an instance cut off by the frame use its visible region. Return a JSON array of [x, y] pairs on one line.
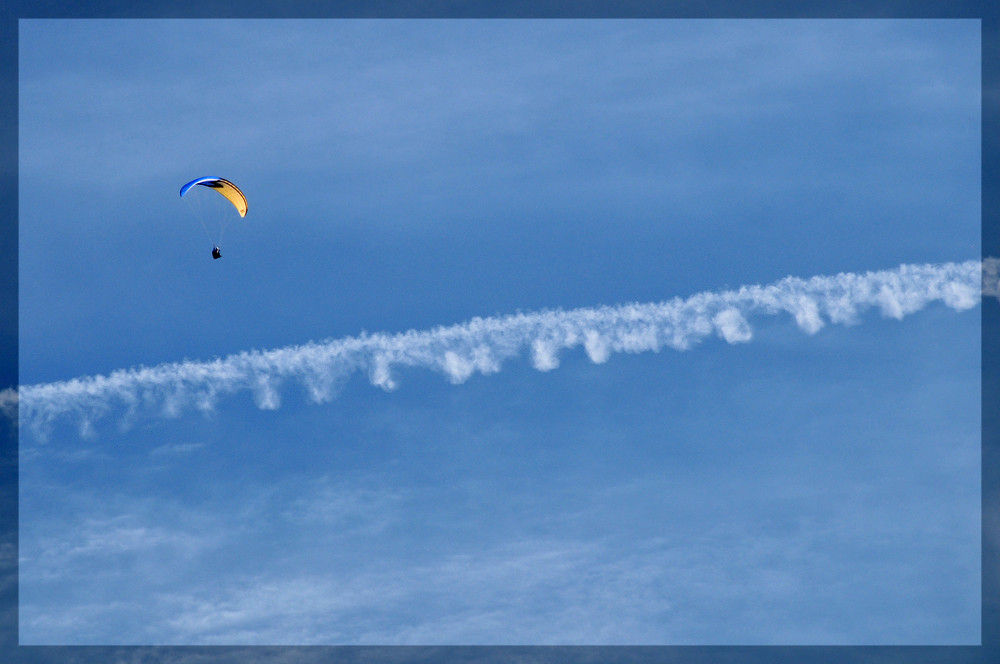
[[229, 191]]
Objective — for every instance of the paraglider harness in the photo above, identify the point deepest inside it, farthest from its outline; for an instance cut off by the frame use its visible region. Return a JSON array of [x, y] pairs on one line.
[[216, 252]]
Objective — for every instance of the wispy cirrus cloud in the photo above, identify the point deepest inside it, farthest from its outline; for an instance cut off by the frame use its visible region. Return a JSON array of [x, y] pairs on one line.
[[482, 345], [541, 591]]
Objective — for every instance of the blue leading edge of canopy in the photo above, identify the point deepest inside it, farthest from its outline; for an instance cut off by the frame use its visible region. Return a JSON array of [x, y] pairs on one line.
[[192, 183]]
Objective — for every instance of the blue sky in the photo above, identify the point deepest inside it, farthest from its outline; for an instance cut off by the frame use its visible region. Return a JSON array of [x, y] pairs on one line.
[[787, 488]]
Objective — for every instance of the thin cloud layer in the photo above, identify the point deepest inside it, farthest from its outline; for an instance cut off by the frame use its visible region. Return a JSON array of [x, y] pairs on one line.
[[482, 345]]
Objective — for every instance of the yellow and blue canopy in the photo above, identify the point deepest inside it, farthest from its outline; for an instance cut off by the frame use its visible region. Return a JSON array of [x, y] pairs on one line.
[[224, 187]]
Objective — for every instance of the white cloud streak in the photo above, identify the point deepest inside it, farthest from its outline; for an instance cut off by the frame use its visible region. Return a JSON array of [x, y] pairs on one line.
[[483, 344]]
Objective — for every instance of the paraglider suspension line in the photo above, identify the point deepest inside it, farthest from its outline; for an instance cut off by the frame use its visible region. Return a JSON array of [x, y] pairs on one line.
[[198, 211]]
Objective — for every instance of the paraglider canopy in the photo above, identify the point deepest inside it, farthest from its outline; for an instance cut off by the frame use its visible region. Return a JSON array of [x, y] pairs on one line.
[[224, 187]]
